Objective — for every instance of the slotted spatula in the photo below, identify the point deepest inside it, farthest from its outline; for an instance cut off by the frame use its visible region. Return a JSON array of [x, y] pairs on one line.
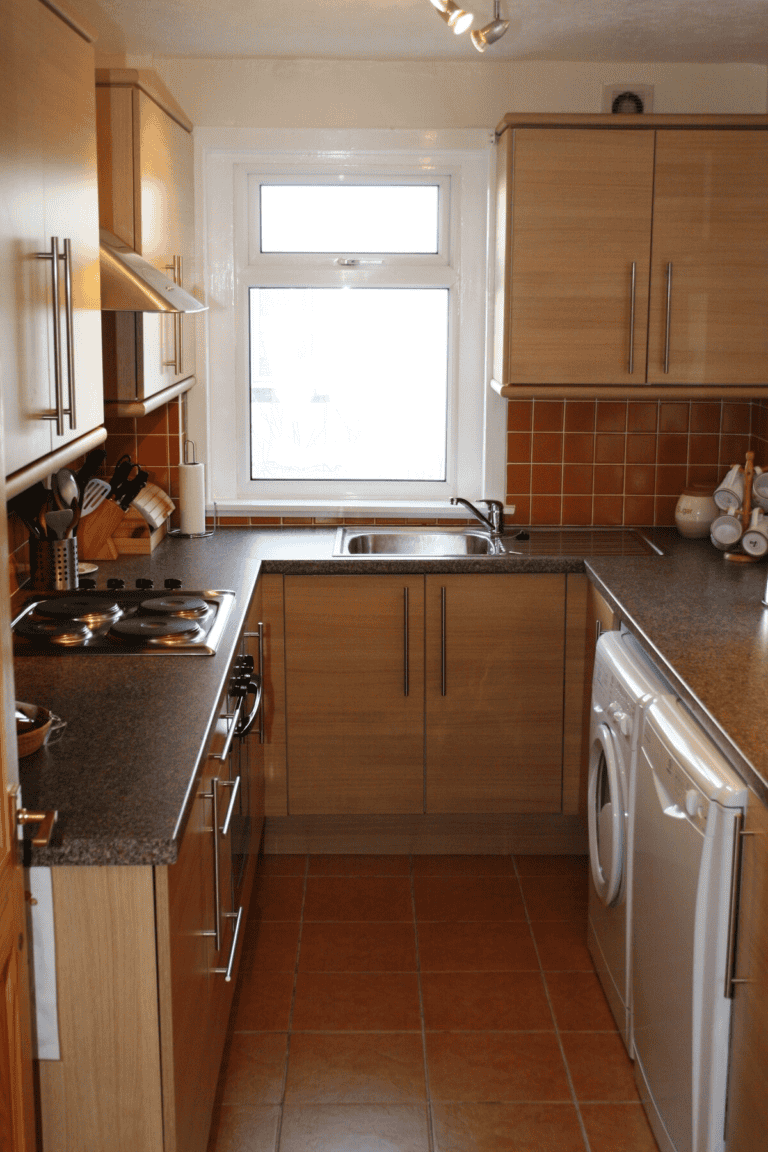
[[95, 491]]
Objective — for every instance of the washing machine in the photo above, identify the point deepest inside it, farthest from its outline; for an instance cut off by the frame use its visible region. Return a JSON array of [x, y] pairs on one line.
[[688, 810], [623, 684]]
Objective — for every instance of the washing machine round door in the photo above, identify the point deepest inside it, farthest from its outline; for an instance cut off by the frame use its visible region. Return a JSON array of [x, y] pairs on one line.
[[605, 813]]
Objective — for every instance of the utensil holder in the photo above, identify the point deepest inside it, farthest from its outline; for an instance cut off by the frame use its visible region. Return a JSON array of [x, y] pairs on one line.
[[53, 564]]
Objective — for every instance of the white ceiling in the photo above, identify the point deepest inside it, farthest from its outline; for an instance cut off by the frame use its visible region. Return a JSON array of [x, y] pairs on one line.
[[690, 31]]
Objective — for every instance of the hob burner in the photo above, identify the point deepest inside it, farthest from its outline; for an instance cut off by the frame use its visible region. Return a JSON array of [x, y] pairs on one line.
[[144, 630], [82, 608], [189, 607], [67, 633]]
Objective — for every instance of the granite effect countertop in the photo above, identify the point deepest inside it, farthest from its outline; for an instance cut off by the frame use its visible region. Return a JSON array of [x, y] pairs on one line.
[[137, 726]]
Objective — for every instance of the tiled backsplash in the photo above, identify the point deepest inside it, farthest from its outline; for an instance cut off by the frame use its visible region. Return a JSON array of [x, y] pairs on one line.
[[622, 461]]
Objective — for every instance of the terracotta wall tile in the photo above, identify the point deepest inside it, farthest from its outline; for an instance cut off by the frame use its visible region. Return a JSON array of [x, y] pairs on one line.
[[548, 415], [611, 416], [641, 449], [546, 478], [578, 478], [580, 416], [545, 509], [518, 447], [519, 415], [577, 510], [579, 448], [547, 446], [609, 449], [672, 449], [609, 478], [674, 417], [706, 416], [642, 417]]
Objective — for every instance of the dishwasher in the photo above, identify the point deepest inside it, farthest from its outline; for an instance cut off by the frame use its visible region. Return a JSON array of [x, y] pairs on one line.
[[688, 812]]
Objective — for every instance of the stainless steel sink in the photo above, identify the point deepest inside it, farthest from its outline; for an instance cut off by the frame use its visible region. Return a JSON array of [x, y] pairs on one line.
[[411, 542]]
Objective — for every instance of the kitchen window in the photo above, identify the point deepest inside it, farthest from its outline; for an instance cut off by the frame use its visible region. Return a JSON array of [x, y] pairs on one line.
[[351, 360]]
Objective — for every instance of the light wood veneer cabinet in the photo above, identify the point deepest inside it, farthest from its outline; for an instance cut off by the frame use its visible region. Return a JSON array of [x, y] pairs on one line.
[[146, 198], [48, 193], [443, 694], [633, 254]]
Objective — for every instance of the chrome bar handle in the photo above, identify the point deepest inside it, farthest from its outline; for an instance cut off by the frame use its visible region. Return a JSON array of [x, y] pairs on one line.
[[669, 316], [730, 961], [406, 662], [598, 630], [58, 415], [234, 717], [259, 636], [227, 972], [633, 289], [235, 786], [180, 318], [174, 363], [213, 795], [443, 688], [69, 319]]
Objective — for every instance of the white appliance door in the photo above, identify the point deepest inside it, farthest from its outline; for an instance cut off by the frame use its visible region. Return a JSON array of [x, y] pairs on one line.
[[605, 812]]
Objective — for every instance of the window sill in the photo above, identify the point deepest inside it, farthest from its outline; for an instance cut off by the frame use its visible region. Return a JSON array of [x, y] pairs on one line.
[[340, 509]]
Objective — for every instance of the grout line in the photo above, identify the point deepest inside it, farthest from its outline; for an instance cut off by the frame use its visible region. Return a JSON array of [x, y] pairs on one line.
[[554, 1019], [427, 1092], [279, 1131]]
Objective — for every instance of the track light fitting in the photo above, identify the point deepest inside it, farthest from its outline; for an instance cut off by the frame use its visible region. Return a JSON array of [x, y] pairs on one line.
[[492, 32], [455, 17]]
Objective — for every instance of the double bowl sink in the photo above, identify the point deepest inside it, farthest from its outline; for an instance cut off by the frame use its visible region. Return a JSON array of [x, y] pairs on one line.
[[423, 543]]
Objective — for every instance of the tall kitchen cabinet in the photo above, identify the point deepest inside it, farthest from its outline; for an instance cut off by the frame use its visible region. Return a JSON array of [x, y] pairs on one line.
[[146, 199], [632, 253], [50, 319]]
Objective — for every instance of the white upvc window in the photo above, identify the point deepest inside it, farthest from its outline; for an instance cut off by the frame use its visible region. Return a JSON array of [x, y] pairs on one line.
[[347, 357]]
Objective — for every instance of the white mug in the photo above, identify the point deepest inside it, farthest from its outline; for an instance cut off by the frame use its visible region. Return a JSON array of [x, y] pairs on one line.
[[755, 539], [760, 489], [729, 494], [725, 532]]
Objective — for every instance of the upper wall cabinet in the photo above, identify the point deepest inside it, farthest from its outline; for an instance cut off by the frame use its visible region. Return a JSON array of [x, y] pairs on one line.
[[50, 320], [146, 198], [632, 254]]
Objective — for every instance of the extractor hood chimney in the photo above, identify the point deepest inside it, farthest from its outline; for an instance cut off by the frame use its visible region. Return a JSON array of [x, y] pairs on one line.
[[129, 283]]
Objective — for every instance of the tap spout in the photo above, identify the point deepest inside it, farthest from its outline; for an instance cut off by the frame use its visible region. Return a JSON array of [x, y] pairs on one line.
[[494, 521]]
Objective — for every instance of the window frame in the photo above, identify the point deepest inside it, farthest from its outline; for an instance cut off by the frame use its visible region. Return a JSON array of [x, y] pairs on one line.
[[476, 432]]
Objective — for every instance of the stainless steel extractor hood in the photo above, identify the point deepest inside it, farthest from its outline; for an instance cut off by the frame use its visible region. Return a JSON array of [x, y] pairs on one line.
[[129, 283]]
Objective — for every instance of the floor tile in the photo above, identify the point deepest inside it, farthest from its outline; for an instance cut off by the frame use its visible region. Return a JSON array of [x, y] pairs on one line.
[[355, 1128], [463, 866], [263, 1003], [552, 865], [599, 1065], [468, 898], [271, 945], [255, 1068], [487, 1067], [493, 946], [357, 1002], [278, 897], [360, 1068], [485, 1001], [579, 1003], [359, 865], [358, 898], [562, 945], [617, 1128], [358, 948], [286, 864], [555, 897], [506, 1128], [245, 1129]]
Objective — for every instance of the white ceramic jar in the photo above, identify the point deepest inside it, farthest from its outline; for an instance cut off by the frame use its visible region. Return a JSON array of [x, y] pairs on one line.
[[695, 511]]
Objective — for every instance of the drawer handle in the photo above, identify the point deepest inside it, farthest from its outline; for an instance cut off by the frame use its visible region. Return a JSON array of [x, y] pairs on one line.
[[235, 786], [213, 796], [632, 290], [669, 317], [227, 972], [443, 684], [258, 635], [406, 669], [46, 820], [234, 719]]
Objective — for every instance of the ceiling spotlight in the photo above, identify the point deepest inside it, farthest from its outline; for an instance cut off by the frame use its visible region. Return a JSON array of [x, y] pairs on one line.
[[455, 17], [491, 32]]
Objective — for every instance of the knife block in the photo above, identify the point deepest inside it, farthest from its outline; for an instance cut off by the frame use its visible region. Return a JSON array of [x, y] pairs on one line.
[[94, 532]]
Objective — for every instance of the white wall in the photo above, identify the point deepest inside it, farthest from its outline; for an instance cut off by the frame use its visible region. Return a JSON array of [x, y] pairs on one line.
[[287, 93]]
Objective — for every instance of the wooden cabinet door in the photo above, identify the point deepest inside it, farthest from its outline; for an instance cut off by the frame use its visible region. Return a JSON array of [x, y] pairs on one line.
[[710, 226], [354, 666], [580, 203], [747, 1109], [494, 692]]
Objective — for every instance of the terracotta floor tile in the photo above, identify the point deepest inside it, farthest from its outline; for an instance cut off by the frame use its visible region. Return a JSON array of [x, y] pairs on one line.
[[493, 946], [364, 1068], [463, 866], [263, 1003], [278, 897], [271, 945], [485, 1001], [579, 1003], [599, 1065], [562, 945], [468, 898], [358, 898], [555, 897], [552, 865], [506, 1128], [255, 1068], [488, 1067], [617, 1128], [359, 865], [368, 947], [357, 1002], [355, 1128], [245, 1129], [286, 864]]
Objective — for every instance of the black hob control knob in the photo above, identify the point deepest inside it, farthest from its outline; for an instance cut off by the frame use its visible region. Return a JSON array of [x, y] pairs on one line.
[[144, 584], [172, 583], [86, 584], [115, 585]]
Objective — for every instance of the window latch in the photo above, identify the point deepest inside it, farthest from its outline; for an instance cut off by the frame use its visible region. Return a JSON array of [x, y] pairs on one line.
[[342, 260]]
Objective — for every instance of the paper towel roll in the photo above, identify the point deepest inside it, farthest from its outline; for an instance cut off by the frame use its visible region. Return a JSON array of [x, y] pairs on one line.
[[192, 498]]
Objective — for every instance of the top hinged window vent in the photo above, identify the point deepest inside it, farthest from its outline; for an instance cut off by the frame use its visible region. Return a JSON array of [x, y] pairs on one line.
[[627, 98]]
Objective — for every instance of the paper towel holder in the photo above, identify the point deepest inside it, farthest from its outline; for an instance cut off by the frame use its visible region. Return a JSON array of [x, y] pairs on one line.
[[176, 533]]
